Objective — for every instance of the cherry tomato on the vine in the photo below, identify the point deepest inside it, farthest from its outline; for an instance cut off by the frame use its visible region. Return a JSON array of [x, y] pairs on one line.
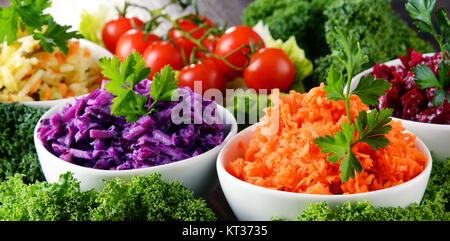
[[162, 53], [133, 40], [113, 29], [233, 39], [209, 43], [205, 71], [269, 68], [190, 24]]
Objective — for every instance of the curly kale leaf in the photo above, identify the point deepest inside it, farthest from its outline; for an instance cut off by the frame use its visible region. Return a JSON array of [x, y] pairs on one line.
[[302, 18], [41, 201], [17, 152], [382, 34], [141, 198], [149, 198]]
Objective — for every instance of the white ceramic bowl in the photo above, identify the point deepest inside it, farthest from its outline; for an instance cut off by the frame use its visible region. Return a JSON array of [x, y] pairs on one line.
[[435, 136], [97, 52], [197, 173], [254, 203]]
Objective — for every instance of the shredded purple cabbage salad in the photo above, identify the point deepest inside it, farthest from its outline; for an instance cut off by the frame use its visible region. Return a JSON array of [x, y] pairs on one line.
[[86, 134]]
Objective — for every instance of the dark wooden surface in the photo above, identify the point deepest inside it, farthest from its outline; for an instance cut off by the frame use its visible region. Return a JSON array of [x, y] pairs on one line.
[[221, 11]]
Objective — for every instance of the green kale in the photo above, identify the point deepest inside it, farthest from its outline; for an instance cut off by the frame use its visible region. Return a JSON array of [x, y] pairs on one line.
[[141, 198], [17, 152], [302, 18], [41, 201], [149, 198], [382, 34], [432, 208]]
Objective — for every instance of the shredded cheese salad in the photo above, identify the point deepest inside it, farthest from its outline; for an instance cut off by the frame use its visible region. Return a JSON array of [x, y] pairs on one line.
[[27, 73]]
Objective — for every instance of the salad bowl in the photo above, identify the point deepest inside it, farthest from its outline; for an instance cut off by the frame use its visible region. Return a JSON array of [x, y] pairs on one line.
[[250, 202], [196, 173]]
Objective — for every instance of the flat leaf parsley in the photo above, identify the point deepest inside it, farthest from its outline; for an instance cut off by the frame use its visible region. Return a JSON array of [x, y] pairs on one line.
[[28, 16], [124, 76], [422, 12], [370, 128]]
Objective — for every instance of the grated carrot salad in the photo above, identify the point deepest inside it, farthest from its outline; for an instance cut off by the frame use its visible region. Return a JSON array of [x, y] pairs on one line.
[[288, 160]]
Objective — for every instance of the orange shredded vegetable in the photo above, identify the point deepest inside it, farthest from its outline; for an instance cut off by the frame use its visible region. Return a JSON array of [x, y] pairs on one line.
[[48, 92], [62, 88], [73, 49], [35, 86], [286, 158]]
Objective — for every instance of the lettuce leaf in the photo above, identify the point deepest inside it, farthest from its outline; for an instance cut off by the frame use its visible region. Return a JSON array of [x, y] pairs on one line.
[[91, 25]]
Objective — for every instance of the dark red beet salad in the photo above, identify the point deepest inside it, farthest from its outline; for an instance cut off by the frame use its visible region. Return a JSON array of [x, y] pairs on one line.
[[86, 134], [405, 97]]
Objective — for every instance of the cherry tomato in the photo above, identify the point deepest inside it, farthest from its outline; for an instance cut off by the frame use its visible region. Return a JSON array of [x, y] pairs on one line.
[[269, 68], [133, 40], [234, 38], [162, 53], [113, 29], [188, 24], [205, 71], [209, 43]]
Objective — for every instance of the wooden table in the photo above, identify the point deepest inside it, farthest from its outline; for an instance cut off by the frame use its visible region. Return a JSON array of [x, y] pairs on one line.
[[221, 11]]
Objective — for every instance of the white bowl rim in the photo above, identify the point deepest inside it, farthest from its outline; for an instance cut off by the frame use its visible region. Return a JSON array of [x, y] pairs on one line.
[[221, 168], [393, 62], [38, 103], [184, 162]]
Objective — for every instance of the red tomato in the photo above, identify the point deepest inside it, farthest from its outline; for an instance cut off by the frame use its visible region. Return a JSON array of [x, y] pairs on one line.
[[205, 71], [189, 24], [209, 43], [269, 68], [162, 53], [113, 29], [232, 39], [133, 40]]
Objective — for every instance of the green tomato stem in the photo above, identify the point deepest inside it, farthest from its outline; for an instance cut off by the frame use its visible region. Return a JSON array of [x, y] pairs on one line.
[[200, 46]]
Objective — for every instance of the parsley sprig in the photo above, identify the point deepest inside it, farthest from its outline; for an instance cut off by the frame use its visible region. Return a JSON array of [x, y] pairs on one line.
[[124, 76], [422, 12], [28, 15], [370, 128]]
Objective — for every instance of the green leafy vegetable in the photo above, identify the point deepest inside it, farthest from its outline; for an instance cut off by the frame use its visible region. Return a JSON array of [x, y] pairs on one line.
[[422, 12], [55, 35], [17, 152], [91, 25], [383, 35], [371, 127], [142, 198], [28, 15], [245, 106], [369, 89], [124, 76], [303, 19], [164, 86]]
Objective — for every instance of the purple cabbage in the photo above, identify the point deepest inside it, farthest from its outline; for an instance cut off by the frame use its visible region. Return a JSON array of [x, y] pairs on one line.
[[86, 134]]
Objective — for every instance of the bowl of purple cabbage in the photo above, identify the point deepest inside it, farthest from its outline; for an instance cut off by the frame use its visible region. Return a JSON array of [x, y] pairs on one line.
[[179, 139]]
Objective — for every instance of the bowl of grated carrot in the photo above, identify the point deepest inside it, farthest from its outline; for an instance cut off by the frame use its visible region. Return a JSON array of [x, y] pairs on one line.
[[273, 169], [37, 78]]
